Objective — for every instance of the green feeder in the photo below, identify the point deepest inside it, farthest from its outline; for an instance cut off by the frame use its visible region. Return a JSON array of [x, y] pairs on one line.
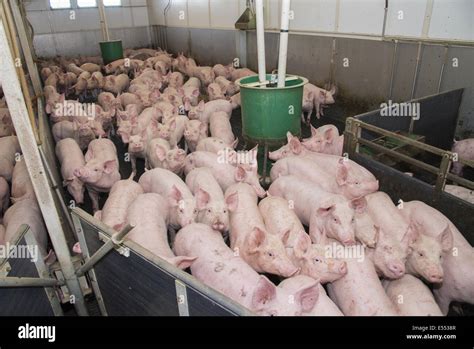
[[111, 50]]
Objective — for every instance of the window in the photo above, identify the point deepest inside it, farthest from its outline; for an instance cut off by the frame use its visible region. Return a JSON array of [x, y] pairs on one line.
[[56, 4], [86, 3], [112, 2]]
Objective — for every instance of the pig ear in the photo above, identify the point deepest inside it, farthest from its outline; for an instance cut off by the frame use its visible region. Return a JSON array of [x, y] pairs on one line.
[[173, 125], [410, 236], [256, 239], [235, 143], [325, 209], [285, 236], [175, 195], [201, 104], [202, 199], [301, 245], [359, 205], [446, 239], [322, 94], [196, 93], [295, 145], [180, 92], [110, 166], [160, 152], [183, 262], [314, 131], [203, 128], [232, 201], [210, 89], [342, 172], [329, 135], [67, 181], [48, 108], [240, 174], [289, 136], [307, 296], [263, 293]]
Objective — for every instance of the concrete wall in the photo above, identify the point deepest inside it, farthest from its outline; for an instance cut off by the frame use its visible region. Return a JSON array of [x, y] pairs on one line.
[[76, 31]]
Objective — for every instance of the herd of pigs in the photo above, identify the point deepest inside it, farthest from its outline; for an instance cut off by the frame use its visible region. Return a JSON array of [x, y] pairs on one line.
[[198, 209]]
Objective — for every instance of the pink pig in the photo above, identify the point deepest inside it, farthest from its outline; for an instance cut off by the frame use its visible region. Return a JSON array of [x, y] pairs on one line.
[[203, 111], [121, 196], [325, 139], [9, 149], [215, 91], [264, 252], [218, 267], [194, 131], [70, 157], [149, 214], [220, 127], [465, 150], [22, 187], [215, 145], [4, 196]]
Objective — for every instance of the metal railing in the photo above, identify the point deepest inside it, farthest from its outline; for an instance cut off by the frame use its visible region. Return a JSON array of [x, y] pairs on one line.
[[353, 139]]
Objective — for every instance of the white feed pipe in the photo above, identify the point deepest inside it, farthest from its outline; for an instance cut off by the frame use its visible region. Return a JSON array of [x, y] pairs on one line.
[[103, 21], [260, 40], [285, 21]]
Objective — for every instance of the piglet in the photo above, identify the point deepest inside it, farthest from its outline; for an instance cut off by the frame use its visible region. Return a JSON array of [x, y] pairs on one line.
[[325, 139], [194, 131], [220, 127], [411, 297], [149, 213], [215, 209], [263, 251], [224, 171], [101, 170], [26, 212], [182, 203], [324, 305], [215, 91], [116, 84], [224, 71], [22, 187], [121, 196], [465, 150], [228, 87], [241, 73], [321, 98], [173, 129], [218, 267], [203, 111], [70, 157], [9, 150], [215, 145]]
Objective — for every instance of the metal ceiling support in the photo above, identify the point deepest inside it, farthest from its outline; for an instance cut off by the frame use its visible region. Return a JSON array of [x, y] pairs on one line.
[[36, 170]]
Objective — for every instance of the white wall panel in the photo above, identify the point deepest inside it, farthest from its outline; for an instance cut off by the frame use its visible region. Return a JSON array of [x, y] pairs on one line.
[[313, 15], [452, 19], [361, 16], [405, 17], [224, 14], [198, 12], [177, 15]]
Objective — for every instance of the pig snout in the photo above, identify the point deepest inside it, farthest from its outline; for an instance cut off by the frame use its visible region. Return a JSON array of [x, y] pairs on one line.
[[289, 271], [435, 275], [218, 226], [274, 155], [81, 172], [397, 269]]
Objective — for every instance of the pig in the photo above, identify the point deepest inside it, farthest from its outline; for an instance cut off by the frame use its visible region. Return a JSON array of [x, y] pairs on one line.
[[203, 111], [308, 102], [458, 279], [127, 98], [366, 232], [192, 82], [228, 87], [175, 79], [161, 67], [310, 258], [194, 131], [96, 81], [189, 95], [4, 196], [241, 73], [322, 98], [101, 170], [223, 71], [215, 91], [73, 68], [461, 192], [116, 84], [156, 153], [218, 267], [183, 205], [6, 125], [411, 297], [149, 213], [108, 101], [9, 151], [360, 292], [81, 133], [465, 150], [264, 252], [235, 101], [122, 194], [215, 145], [165, 110], [53, 98], [324, 305], [204, 74], [90, 67], [225, 173], [175, 161], [215, 211], [220, 127], [137, 147], [22, 187], [395, 236], [332, 173], [325, 139], [70, 157], [173, 129], [326, 214], [26, 212]]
